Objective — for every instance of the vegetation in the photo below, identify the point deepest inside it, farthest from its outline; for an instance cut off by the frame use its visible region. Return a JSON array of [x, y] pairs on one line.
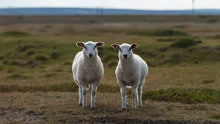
[[188, 96], [167, 33], [185, 42], [182, 53]]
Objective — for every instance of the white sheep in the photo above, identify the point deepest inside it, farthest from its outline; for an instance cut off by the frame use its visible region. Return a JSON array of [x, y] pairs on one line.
[[87, 69], [131, 71]]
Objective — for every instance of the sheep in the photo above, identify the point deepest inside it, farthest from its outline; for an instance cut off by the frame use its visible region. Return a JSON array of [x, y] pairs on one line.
[[131, 71], [87, 70]]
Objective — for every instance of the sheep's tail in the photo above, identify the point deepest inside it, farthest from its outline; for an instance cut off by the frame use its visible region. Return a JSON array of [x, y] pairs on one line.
[[87, 86]]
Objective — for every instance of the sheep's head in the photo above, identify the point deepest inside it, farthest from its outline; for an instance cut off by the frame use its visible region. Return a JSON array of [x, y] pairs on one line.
[[125, 50], [90, 48]]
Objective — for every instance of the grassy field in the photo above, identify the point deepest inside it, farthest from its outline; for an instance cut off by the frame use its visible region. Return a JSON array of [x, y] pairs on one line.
[[183, 54]]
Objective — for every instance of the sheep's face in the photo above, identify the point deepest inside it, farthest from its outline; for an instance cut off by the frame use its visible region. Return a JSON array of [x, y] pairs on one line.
[[125, 50], [90, 48]]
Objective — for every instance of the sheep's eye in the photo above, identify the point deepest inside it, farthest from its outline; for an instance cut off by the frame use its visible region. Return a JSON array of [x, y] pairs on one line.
[[129, 49], [119, 49], [94, 47], [85, 48]]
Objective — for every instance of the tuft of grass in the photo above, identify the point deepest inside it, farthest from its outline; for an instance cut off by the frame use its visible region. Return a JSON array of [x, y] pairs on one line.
[[166, 39], [14, 63], [30, 53], [41, 58], [54, 55], [185, 42], [17, 76], [15, 33], [167, 33], [216, 116], [1, 58], [24, 48], [188, 96], [208, 81]]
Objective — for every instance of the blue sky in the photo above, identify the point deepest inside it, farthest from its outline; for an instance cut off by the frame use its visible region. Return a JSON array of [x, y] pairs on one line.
[[118, 4]]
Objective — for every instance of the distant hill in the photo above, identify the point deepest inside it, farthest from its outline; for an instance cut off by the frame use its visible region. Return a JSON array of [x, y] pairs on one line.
[[100, 11]]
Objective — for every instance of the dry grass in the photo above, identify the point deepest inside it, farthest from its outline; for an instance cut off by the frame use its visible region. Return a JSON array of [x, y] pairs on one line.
[[41, 107]]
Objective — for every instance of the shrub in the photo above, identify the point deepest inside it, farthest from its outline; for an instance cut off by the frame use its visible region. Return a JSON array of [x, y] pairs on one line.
[[41, 58], [185, 42]]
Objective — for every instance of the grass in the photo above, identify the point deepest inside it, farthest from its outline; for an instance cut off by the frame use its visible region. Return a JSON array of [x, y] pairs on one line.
[[36, 79], [188, 96]]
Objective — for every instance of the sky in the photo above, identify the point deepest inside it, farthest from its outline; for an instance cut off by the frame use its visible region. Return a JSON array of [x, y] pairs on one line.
[[117, 4]]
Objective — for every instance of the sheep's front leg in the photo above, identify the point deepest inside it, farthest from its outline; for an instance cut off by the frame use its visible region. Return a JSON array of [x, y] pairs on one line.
[[93, 94], [84, 102], [80, 96], [133, 94], [123, 94]]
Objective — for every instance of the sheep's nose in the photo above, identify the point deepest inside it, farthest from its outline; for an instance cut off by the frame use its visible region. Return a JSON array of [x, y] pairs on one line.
[[125, 56], [90, 55]]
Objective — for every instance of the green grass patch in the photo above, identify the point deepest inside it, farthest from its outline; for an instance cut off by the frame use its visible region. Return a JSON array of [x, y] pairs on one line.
[[167, 33], [188, 96], [15, 33]]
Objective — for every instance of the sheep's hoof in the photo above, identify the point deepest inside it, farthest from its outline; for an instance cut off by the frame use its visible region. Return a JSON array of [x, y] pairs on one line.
[[84, 106], [123, 108], [92, 108], [80, 104]]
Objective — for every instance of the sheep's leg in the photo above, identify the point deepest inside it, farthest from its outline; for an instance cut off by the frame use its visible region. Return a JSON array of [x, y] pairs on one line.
[[123, 97], [80, 96], [84, 102], [139, 95], [93, 94], [133, 94], [123, 94]]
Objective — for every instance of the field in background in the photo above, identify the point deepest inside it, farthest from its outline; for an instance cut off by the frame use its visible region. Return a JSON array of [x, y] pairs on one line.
[[182, 52]]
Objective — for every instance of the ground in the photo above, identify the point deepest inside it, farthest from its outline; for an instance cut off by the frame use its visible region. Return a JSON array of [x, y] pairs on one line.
[[182, 52]]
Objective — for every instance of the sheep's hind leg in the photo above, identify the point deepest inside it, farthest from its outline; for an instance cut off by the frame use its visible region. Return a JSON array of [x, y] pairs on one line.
[[84, 102], [93, 94], [139, 95]]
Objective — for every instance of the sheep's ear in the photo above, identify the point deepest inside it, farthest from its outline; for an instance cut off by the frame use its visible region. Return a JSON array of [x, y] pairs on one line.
[[100, 44], [80, 44], [134, 45], [115, 46]]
